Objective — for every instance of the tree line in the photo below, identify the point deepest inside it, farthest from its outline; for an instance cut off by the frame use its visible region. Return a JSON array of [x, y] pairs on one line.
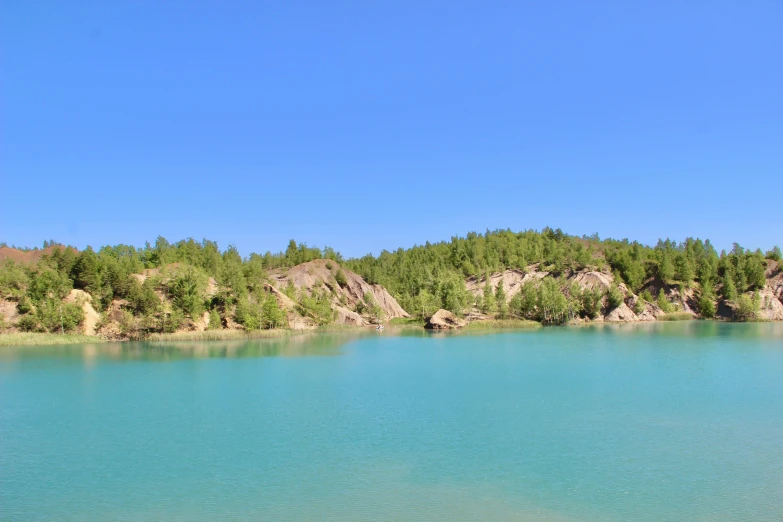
[[423, 279]]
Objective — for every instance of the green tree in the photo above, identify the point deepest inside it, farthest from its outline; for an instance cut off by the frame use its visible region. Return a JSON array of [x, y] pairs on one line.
[[271, 314], [13, 280], [85, 272], [664, 303], [500, 299], [591, 302], [47, 283], [684, 270], [248, 314], [215, 322], [729, 290], [747, 308], [187, 290], [666, 269], [340, 278], [614, 297], [489, 297]]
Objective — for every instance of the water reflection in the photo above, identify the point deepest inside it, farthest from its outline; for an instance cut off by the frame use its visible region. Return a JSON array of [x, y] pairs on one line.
[[332, 343], [695, 328], [316, 344]]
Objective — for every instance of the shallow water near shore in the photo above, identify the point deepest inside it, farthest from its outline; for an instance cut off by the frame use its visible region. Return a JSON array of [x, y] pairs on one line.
[[674, 421]]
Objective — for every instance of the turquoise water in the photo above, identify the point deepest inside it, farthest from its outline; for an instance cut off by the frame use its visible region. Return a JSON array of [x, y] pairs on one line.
[[677, 421]]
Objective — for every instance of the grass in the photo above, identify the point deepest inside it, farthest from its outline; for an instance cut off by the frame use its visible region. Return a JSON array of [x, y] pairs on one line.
[[41, 339], [218, 335], [497, 324], [676, 316], [227, 335], [406, 321]]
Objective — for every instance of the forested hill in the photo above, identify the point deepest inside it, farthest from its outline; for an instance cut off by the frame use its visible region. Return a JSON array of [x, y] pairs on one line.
[[546, 276], [439, 270]]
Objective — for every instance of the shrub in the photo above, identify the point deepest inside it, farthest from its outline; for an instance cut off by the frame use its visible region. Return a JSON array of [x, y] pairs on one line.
[[13, 280], [248, 314], [27, 323], [214, 321], [340, 278], [187, 289], [172, 321], [591, 303], [271, 314], [664, 303], [142, 298], [639, 306], [747, 308], [614, 297]]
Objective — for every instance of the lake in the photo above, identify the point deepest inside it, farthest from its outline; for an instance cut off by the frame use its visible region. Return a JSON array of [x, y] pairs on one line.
[[669, 421]]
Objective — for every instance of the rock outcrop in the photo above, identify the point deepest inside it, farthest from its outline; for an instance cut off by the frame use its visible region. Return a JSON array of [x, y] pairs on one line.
[[621, 314], [444, 320], [348, 291], [91, 317], [512, 280]]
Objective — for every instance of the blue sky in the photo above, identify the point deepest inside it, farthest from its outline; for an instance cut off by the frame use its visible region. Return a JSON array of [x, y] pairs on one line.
[[372, 125]]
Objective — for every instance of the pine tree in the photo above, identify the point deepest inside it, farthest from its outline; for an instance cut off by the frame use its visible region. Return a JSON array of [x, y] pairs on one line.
[[489, 297], [500, 299], [666, 269]]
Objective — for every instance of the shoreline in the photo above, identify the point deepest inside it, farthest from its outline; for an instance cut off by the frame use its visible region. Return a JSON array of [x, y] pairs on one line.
[[18, 339]]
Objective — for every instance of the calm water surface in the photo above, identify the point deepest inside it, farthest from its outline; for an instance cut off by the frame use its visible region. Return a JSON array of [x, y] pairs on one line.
[[680, 421]]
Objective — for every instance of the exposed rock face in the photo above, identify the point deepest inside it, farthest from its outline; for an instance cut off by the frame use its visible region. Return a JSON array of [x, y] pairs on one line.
[[345, 316], [775, 279], [591, 280], [9, 313], [651, 311], [771, 308], [512, 280], [621, 314], [444, 320], [91, 317], [202, 323], [323, 274]]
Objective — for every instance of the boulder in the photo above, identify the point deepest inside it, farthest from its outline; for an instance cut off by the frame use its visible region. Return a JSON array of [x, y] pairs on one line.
[[444, 320]]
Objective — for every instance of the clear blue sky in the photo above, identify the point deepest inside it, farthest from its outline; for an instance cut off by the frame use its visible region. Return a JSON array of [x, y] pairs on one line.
[[370, 125]]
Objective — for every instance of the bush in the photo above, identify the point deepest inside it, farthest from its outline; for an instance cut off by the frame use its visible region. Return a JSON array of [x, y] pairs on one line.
[[214, 321], [52, 316], [614, 296], [13, 280], [25, 305], [248, 314], [271, 314], [340, 278], [187, 290], [639, 306], [747, 308], [172, 321], [707, 307], [142, 298], [27, 323], [664, 303], [591, 303]]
